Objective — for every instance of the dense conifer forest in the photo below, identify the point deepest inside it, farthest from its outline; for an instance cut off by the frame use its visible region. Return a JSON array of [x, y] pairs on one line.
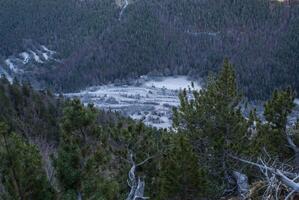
[[54, 148], [58, 148], [105, 41]]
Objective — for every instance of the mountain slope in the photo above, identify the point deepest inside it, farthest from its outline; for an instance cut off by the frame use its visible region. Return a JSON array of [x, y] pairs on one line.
[[160, 37]]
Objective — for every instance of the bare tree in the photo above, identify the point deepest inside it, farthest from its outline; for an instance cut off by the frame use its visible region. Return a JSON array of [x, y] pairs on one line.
[[136, 183], [280, 179], [123, 9]]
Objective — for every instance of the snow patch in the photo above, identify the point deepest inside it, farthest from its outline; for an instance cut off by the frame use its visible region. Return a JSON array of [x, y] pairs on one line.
[[47, 50], [36, 57], [26, 57], [11, 66], [172, 83], [45, 55], [212, 34], [18, 64], [297, 101], [3, 72]]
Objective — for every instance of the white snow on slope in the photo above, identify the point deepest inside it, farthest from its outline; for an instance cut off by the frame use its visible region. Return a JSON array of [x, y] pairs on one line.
[[297, 101], [172, 83], [47, 50], [45, 55], [25, 56], [152, 105], [11, 66], [212, 34], [36, 57], [4, 72], [18, 64]]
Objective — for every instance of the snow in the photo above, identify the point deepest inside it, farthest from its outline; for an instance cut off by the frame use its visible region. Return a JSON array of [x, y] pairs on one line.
[[212, 34], [11, 66], [45, 55], [172, 83], [152, 105], [297, 101], [4, 72], [16, 65], [47, 50], [36, 57], [26, 57]]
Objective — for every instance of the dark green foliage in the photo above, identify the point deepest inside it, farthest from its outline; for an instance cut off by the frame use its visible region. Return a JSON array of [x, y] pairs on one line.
[[168, 37], [218, 130], [143, 142], [272, 136], [181, 176], [80, 156], [278, 108], [21, 169], [214, 121], [91, 147], [30, 113], [287, 55]]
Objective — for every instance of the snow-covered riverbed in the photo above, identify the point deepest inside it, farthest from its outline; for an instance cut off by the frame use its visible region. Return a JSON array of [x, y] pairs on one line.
[[150, 100]]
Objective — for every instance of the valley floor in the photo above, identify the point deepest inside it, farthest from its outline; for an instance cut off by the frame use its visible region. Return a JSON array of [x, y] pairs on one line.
[[149, 100]]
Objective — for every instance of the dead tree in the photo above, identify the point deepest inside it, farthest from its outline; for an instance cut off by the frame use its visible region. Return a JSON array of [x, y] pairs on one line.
[[136, 183], [278, 177], [123, 9]]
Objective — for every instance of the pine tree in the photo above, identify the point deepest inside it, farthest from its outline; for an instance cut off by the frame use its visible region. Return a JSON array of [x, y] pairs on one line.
[[273, 134], [21, 169], [278, 108], [143, 142], [214, 121], [80, 155], [181, 176]]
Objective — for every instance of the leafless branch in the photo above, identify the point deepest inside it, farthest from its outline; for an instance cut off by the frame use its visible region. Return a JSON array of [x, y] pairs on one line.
[[136, 183], [277, 178]]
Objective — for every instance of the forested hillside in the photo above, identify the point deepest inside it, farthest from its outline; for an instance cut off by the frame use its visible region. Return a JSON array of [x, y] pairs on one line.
[[104, 41], [52, 148]]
